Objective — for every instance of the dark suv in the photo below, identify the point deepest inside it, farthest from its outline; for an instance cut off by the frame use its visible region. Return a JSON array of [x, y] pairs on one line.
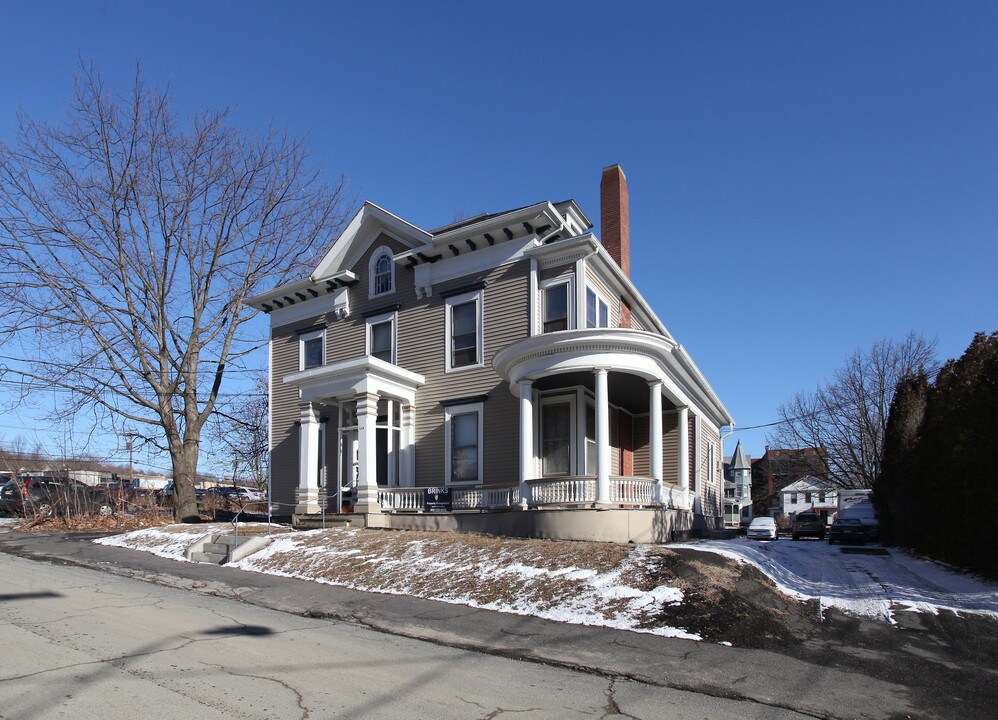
[[47, 495], [808, 524]]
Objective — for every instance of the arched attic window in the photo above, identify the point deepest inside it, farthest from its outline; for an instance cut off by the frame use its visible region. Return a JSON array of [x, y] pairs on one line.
[[382, 272]]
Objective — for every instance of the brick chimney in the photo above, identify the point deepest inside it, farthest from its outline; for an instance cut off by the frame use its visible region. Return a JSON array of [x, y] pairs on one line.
[[615, 231]]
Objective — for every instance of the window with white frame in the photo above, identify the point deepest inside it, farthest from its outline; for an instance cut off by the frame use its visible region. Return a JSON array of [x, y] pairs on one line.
[[310, 349], [597, 310], [556, 305], [464, 331], [556, 433], [381, 337], [463, 433], [382, 270]]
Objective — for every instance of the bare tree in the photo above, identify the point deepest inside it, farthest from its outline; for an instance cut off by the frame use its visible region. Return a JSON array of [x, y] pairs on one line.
[[129, 238], [848, 415], [241, 427]]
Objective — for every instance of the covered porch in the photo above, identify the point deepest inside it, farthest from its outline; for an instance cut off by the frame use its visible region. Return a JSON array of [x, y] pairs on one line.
[[356, 434]]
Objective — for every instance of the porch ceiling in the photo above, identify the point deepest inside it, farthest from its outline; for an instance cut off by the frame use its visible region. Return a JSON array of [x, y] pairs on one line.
[[627, 391]]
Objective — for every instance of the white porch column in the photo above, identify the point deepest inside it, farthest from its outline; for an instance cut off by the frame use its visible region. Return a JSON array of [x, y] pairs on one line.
[[655, 436], [367, 483], [602, 438], [308, 461], [684, 449], [408, 418], [527, 464]]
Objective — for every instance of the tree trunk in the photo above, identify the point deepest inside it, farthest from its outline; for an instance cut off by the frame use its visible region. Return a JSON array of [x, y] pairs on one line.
[[185, 465]]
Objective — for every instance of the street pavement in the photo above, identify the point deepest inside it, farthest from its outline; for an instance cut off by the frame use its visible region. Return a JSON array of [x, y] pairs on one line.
[[755, 683], [84, 644]]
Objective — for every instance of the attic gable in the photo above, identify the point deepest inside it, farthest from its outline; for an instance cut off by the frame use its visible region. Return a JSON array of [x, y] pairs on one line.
[[367, 225]]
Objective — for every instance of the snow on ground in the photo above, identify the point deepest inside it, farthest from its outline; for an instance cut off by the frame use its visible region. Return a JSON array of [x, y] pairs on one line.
[[872, 585], [8, 523], [568, 582], [583, 583], [170, 541]]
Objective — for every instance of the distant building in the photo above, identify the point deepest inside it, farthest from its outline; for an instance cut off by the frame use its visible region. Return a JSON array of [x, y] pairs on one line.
[[777, 468], [809, 494], [737, 488]]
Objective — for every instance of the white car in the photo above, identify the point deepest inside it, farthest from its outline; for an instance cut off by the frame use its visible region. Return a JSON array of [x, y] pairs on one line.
[[762, 528]]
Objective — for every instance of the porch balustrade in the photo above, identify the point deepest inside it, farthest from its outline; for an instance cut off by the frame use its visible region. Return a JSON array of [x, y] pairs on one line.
[[485, 498], [562, 491], [401, 499], [544, 491], [632, 491]]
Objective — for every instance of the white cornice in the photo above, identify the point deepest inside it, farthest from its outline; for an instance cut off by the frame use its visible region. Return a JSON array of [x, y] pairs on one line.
[[648, 355], [365, 226], [426, 275]]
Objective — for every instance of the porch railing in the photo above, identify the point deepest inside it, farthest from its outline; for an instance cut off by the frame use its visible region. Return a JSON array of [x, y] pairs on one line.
[[632, 491], [543, 492], [485, 498], [562, 491], [401, 499]]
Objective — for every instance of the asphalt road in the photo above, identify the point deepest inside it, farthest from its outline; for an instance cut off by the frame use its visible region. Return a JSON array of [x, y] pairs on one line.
[[86, 644]]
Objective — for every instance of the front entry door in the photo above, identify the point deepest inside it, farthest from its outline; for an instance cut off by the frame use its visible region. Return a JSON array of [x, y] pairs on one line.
[[349, 468]]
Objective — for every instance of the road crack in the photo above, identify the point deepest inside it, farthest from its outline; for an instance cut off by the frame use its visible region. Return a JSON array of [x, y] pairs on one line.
[[298, 696]]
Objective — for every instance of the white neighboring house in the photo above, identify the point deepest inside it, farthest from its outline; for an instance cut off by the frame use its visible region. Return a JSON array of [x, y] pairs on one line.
[[809, 494], [738, 489]]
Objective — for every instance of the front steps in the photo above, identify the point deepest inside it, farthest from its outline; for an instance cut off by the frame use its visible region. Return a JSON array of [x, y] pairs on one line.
[[219, 549]]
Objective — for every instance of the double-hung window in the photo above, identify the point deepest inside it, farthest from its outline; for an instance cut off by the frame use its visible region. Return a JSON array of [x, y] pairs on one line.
[[310, 349], [597, 310], [381, 337], [464, 331], [463, 428], [556, 306], [382, 272]]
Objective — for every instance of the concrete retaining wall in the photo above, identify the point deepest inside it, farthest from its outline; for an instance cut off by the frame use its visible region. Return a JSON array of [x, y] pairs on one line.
[[612, 525]]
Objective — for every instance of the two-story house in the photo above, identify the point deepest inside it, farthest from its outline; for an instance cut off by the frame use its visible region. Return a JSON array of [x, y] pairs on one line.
[[507, 359]]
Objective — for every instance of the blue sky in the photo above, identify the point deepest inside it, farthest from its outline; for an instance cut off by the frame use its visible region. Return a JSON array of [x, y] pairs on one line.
[[805, 178]]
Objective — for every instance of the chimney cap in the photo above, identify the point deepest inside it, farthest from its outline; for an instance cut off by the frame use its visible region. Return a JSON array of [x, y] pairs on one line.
[[615, 166]]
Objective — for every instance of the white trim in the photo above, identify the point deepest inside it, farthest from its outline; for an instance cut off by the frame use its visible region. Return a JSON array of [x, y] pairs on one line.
[[369, 222], [391, 317], [304, 338], [600, 298], [478, 297], [449, 413], [533, 303], [426, 275], [382, 251], [571, 398], [336, 303], [570, 300]]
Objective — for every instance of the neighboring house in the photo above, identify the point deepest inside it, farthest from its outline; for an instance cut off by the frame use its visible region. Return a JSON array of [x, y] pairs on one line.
[[737, 488], [779, 467], [508, 361], [809, 494]]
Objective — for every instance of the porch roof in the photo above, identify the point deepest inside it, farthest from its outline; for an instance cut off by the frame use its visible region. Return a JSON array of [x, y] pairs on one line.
[[364, 374], [647, 355]]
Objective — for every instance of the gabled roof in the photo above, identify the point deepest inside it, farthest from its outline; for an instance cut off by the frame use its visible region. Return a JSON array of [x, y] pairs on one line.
[[365, 227], [807, 484]]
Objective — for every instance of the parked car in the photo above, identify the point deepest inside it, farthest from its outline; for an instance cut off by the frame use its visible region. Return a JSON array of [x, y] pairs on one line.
[[847, 530], [865, 513], [762, 528], [808, 524], [240, 494], [47, 495]]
